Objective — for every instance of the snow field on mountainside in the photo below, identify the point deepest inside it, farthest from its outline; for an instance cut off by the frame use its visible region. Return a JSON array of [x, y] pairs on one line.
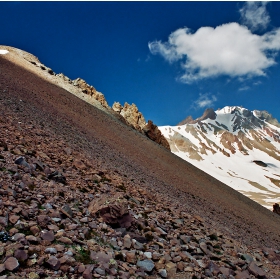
[[238, 171]]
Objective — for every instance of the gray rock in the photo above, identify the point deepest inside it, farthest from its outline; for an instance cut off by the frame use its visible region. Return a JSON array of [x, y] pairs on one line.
[[22, 161], [47, 206], [67, 210], [247, 258], [51, 250], [162, 273], [100, 271], [147, 265], [137, 245], [69, 253], [84, 220], [148, 255]]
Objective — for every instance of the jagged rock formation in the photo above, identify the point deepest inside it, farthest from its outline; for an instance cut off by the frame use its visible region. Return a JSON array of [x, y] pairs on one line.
[[136, 119], [131, 114], [90, 90], [225, 143]]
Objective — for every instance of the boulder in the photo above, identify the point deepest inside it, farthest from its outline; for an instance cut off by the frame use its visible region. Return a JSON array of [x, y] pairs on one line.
[[113, 210]]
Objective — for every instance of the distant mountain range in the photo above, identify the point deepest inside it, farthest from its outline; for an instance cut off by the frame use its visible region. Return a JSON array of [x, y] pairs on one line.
[[239, 147]]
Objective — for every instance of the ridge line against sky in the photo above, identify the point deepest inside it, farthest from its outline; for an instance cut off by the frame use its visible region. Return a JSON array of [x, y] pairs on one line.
[[172, 59]]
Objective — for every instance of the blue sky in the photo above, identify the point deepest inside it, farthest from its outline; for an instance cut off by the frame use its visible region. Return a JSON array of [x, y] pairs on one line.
[[172, 59]]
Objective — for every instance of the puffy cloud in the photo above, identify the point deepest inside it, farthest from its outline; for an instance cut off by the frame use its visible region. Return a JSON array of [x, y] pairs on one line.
[[205, 100], [254, 15], [229, 49]]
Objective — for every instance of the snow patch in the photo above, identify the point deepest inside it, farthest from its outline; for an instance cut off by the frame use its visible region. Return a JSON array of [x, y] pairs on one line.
[[3, 51]]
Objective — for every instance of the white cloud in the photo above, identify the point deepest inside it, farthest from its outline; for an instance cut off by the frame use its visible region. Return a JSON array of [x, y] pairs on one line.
[[229, 49], [205, 100], [254, 15], [244, 88]]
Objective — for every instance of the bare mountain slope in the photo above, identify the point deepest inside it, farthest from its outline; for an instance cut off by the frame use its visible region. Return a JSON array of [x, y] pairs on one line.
[[111, 145]]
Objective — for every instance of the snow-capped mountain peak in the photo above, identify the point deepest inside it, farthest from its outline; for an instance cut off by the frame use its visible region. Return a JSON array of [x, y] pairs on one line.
[[235, 145]]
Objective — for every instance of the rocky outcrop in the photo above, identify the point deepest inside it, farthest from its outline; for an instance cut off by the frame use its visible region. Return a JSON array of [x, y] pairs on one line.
[[187, 120], [90, 90], [131, 114], [86, 89], [264, 115], [153, 132], [136, 119], [276, 208], [208, 114]]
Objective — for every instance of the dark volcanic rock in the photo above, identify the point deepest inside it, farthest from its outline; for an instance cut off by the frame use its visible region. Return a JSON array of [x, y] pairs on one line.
[[276, 208], [58, 177]]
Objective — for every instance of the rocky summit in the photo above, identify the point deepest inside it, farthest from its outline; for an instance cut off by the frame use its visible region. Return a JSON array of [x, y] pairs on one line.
[[84, 195]]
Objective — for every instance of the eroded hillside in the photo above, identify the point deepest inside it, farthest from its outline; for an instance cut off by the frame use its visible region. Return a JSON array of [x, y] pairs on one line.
[[84, 195]]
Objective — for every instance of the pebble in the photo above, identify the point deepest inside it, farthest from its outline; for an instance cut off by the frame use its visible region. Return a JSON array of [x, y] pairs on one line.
[[127, 242]]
